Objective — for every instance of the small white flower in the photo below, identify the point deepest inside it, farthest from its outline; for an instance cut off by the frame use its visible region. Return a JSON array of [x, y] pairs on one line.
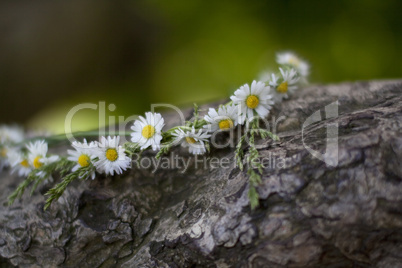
[[112, 157], [194, 141], [289, 58], [225, 118], [11, 134], [4, 161], [147, 131], [255, 99], [282, 86], [37, 157], [83, 155], [19, 163], [37, 154]]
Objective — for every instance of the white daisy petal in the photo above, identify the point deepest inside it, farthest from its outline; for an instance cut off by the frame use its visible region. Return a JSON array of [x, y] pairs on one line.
[[83, 155], [148, 131], [224, 119], [112, 158], [11, 134], [194, 141], [261, 110], [37, 154], [19, 163], [250, 99], [136, 136], [292, 60], [284, 85]]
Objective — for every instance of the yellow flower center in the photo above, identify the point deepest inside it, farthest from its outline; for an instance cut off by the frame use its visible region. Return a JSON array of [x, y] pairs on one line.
[[252, 101], [111, 154], [190, 140], [282, 88], [84, 160], [226, 124], [3, 152], [36, 162], [24, 163], [148, 131]]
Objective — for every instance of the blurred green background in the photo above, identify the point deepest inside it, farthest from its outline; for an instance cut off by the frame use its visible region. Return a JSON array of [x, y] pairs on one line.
[[57, 54]]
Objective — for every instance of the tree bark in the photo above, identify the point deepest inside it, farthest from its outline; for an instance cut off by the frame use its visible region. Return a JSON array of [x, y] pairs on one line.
[[311, 214]]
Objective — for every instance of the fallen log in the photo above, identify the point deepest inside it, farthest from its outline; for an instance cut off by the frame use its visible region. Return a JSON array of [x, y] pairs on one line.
[[318, 208]]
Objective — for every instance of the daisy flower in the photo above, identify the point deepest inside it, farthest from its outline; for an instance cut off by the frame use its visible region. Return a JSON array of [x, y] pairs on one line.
[[224, 119], [12, 134], [289, 58], [194, 141], [4, 161], [37, 157], [283, 85], [8, 134], [82, 155], [147, 131], [37, 154], [111, 156], [19, 163], [255, 99]]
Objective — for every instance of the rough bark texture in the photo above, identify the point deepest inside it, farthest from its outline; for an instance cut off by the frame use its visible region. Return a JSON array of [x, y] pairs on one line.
[[310, 214]]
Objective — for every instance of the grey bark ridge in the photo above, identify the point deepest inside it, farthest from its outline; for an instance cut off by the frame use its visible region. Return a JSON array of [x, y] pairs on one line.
[[310, 214]]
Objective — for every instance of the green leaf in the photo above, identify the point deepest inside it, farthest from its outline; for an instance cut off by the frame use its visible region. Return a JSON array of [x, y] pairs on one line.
[[195, 111], [239, 154], [59, 188], [253, 197], [165, 148], [131, 148]]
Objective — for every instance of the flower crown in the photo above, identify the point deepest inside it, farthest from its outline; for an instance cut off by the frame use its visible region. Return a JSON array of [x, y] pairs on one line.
[[248, 105]]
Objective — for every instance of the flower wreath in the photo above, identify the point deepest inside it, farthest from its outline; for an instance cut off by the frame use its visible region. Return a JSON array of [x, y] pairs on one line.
[[249, 103]]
